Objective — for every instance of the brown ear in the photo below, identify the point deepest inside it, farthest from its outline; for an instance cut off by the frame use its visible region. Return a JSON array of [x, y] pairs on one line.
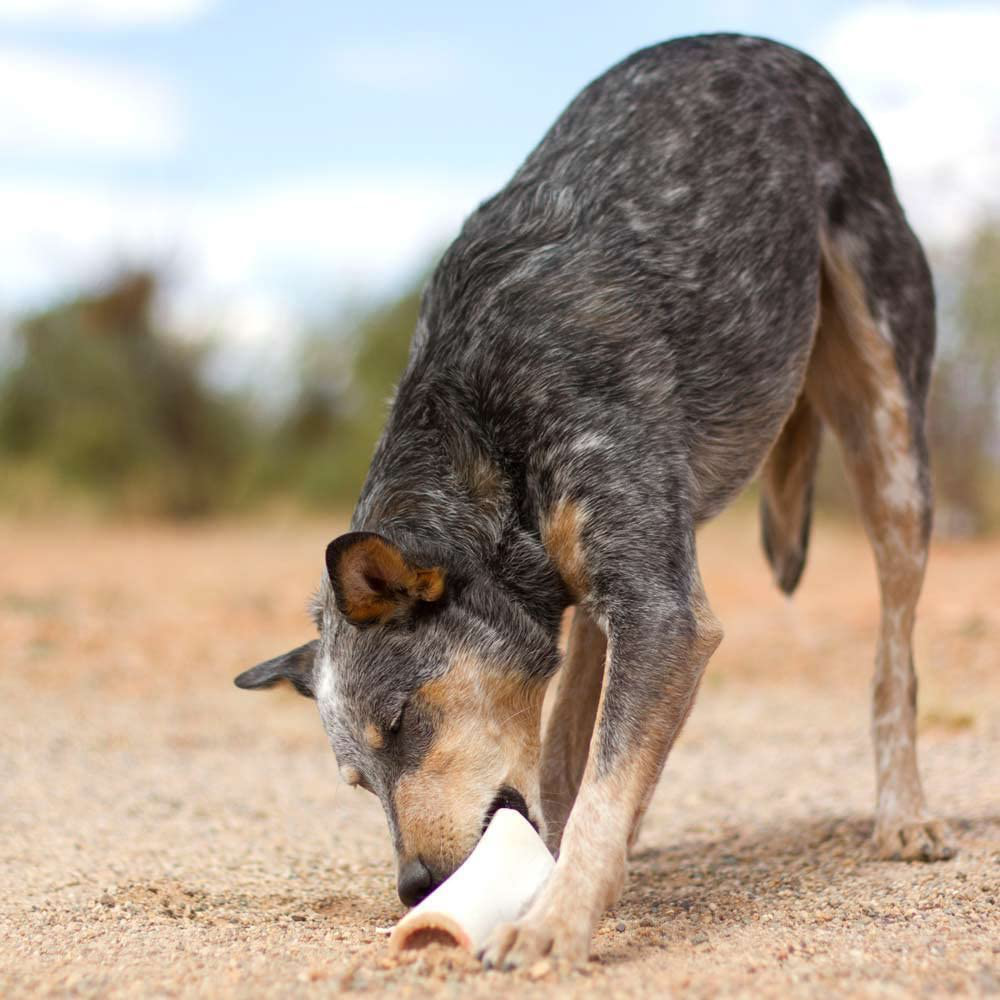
[[374, 582]]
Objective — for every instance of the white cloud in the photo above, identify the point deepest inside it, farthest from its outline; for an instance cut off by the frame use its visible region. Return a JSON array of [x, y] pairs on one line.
[[102, 13], [356, 228], [928, 81], [58, 104], [248, 262], [417, 62]]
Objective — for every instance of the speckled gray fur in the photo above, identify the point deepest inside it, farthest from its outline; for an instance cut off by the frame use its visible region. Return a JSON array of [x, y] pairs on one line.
[[627, 324]]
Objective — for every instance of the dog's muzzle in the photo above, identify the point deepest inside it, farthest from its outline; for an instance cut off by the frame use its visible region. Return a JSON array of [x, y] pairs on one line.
[[415, 880]]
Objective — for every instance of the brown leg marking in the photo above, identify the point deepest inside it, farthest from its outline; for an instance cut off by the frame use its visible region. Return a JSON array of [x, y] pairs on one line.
[[855, 385], [786, 494], [590, 873], [561, 532], [571, 724]]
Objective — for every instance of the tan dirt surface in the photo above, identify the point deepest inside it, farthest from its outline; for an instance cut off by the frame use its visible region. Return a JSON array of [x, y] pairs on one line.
[[162, 833]]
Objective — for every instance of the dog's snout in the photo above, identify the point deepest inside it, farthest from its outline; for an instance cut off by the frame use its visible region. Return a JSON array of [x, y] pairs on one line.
[[414, 881]]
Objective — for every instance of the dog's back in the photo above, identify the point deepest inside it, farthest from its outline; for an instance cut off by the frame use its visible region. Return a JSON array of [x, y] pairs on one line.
[[651, 273]]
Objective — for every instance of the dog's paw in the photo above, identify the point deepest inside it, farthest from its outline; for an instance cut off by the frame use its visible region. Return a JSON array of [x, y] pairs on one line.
[[914, 840], [520, 945]]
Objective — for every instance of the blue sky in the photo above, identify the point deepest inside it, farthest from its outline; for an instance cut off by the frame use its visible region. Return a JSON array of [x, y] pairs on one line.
[[280, 156], [271, 88]]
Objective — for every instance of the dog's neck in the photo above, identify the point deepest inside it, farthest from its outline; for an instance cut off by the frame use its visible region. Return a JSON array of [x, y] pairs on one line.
[[420, 499]]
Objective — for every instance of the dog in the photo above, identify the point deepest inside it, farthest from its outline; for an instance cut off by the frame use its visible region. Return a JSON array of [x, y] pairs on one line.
[[701, 266]]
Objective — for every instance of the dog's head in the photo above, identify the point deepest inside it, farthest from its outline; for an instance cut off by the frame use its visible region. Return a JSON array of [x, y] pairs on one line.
[[430, 689]]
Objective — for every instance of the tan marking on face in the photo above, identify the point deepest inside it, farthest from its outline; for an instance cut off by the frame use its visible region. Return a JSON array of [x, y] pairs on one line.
[[374, 736], [561, 531], [350, 775], [487, 734]]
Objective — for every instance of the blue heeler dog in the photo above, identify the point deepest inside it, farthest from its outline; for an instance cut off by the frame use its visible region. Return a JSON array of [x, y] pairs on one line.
[[701, 265]]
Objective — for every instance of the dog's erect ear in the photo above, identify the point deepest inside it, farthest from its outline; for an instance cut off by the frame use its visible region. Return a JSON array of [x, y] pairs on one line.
[[295, 666], [374, 582]]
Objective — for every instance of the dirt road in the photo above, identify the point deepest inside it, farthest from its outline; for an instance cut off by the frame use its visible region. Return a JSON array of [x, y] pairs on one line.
[[162, 833]]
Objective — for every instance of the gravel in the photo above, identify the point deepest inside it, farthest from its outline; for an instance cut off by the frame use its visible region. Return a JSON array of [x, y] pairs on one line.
[[164, 834]]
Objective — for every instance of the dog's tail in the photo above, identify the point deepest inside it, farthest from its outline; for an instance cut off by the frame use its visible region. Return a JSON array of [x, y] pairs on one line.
[[786, 494]]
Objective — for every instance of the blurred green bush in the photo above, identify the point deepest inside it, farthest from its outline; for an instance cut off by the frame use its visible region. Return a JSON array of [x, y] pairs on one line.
[[965, 401], [101, 408], [99, 405], [323, 443]]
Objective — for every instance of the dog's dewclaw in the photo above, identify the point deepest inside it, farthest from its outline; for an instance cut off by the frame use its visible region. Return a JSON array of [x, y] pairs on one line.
[[494, 885]]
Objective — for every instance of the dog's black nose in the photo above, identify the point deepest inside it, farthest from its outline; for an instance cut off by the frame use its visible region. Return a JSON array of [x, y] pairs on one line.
[[414, 881]]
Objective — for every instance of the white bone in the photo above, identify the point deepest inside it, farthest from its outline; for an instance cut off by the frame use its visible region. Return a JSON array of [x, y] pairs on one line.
[[495, 885]]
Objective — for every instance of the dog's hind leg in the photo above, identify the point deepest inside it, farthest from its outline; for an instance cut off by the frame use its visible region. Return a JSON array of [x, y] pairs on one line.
[[875, 405], [786, 493], [571, 723]]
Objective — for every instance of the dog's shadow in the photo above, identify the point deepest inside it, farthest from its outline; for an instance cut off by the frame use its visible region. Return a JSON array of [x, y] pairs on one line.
[[792, 875]]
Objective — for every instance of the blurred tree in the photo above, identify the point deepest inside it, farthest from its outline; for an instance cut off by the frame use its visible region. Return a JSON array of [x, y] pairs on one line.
[[112, 407], [325, 442], [966, 395], [100, 399]]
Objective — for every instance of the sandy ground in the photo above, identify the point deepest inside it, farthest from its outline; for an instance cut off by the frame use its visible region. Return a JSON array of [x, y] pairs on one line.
[[162, 833]]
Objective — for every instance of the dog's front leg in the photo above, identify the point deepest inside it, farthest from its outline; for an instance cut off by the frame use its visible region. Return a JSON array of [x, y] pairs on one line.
[[657, 651], [571, 723]]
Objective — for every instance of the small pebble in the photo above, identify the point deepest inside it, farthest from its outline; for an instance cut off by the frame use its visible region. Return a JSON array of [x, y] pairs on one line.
[[540, 969]]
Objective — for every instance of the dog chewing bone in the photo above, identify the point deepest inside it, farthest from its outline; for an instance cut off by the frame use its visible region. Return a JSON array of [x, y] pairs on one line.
[[494, 885], [702, 265]]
